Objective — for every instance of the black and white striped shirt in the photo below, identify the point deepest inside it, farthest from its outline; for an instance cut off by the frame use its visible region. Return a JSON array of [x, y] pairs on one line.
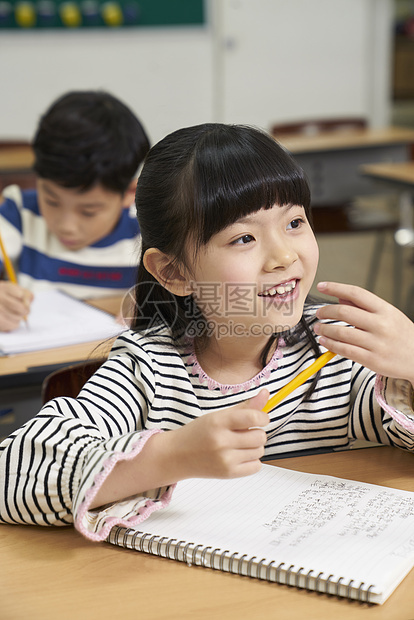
[[51, 467]]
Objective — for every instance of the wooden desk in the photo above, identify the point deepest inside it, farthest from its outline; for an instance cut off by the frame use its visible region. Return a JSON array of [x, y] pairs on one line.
[[17, 157], [21, 375], [347, 140], [22, 362], [54, 573], [16, 165], [332, 160], [26, 362], [400, 175]]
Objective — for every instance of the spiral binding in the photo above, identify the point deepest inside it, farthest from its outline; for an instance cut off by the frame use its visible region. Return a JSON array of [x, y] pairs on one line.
[[222, 560]]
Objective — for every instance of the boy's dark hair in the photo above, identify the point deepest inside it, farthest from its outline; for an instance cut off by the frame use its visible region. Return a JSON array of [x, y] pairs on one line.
[[89, 137]]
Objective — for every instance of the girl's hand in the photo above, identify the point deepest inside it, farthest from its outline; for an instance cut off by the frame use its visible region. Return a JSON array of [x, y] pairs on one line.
[[14, 305], [382, 337], [223, 444]]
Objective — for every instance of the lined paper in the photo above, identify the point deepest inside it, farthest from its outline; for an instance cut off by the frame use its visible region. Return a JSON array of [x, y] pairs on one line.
[[351, 530], [57, 319]]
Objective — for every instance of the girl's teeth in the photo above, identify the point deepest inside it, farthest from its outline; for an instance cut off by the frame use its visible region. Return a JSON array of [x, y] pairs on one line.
[[281, 290]]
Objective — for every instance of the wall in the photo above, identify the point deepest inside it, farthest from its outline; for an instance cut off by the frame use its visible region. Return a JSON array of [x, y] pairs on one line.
[[164, 75], [255, 61], [282, 61]]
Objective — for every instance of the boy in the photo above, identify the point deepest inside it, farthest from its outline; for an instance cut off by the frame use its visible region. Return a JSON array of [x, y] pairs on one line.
[[75, 231]]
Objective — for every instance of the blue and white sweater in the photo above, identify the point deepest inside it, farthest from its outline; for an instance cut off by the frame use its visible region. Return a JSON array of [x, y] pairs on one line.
[[106, 268]]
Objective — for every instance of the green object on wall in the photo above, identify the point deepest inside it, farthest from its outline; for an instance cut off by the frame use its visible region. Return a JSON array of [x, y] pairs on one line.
[[79, 14]]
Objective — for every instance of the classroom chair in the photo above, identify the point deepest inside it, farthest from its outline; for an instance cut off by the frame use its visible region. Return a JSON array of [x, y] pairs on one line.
[[348, 217], [68, 381]]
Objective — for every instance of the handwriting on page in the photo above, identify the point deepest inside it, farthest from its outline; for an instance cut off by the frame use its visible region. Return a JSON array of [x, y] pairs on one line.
[[367, 513], [375, 517]]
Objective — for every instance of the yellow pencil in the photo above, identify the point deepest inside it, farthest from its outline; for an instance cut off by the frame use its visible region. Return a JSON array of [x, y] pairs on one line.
[[11, 274], [7, 263], [297, 381]]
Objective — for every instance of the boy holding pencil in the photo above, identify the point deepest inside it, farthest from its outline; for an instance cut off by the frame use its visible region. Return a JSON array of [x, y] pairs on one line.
[[75, 231]]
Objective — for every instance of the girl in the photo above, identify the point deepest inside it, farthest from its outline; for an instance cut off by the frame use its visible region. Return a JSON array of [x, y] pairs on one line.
[[228, 259]]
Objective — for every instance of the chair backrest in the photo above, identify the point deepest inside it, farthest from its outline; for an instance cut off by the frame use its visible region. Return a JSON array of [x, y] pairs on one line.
[[312, 127], [68, 381]]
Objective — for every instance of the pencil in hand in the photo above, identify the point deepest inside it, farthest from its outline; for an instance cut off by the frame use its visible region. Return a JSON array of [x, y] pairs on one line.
[[8, 265], [298, 380]]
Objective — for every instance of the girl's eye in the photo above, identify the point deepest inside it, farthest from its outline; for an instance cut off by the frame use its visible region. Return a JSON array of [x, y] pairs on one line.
[[294, 224], [243, 240]]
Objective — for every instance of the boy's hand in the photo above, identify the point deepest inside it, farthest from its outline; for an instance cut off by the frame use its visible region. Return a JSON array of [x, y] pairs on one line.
[[14, 305], [381, 337]]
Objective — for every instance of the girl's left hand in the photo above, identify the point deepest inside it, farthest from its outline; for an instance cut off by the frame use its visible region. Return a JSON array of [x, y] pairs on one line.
[[382, 337]]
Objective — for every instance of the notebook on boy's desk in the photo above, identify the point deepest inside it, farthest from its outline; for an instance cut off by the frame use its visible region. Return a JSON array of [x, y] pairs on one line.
[[332, 535], [57, 319]]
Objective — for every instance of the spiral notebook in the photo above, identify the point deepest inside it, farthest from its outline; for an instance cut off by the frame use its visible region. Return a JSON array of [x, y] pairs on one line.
[[56, 319], [336, 536]]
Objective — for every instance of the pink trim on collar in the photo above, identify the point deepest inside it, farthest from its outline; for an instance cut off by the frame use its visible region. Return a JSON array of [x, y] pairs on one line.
[[238, 387]]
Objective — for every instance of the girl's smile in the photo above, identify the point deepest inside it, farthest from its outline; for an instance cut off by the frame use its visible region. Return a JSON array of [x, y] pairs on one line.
[[281, 291]]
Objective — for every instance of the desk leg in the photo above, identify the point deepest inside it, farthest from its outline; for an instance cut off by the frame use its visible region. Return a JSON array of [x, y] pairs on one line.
[[404, 237], [405, 234]]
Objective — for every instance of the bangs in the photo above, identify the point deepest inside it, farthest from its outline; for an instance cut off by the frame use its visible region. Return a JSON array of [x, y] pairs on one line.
[[240, 171]]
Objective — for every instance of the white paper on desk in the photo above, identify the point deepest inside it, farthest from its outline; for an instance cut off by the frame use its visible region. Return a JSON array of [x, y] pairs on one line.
[[57, 320]]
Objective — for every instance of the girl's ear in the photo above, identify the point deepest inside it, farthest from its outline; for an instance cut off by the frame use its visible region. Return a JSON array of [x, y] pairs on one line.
[[168, 275]]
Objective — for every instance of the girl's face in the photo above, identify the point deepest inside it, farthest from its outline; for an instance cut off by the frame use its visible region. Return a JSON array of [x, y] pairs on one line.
[[256, 273]]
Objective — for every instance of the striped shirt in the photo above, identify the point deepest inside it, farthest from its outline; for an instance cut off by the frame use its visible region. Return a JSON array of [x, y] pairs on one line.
[[107, 267], [51, 468]]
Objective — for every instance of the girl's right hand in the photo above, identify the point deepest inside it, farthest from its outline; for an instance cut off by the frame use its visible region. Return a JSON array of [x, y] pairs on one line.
[[14, 305], [224, 444]]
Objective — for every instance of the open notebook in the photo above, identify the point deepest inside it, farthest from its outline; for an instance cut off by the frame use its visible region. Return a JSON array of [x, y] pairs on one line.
[[311, 531], [56, 320]]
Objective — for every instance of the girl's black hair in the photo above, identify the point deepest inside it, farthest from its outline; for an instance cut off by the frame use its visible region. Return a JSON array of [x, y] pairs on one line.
[[196, 182]]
